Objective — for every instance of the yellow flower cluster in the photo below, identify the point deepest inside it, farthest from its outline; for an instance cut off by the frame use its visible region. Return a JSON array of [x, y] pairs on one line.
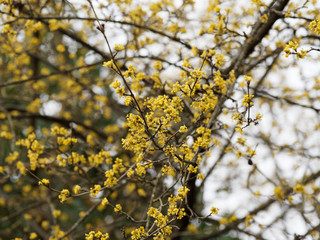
[[264, 18], [204, 139], [141, 168], [133, 79], [35, 148], [192, 169], [136, 15], [63, 195], [259, 116], [94, 191], [104, 202], [96, 235], [76, 189], [247, 101], [56, 213], [248, 220], [22, 169], [12, 157], [173, 208], [219, 60], [44, 181], [293, 45], [6, 135], [299, 188], [118, 47], [214, 210], [111, 179], [168, 170], [157, 65], [247, 79], [138, 233], [34, 106], [216, 27], [135, 140], [258, 2], [100, 158], [54, 24], [231, 219], [75, 158], [314, 26], [182, 192], [279, 193], [118, 208], [59, 131], [62, 134], [61, 48], [33, 235], [62, 141], [108, 64], [160, 219]]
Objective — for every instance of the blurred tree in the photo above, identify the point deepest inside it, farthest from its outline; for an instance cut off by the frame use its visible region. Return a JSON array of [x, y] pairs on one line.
[[159, 119]]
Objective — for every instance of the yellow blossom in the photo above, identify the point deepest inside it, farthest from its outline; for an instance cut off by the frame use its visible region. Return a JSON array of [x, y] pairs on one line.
[[192, 228], [223, 221], [142, 192], [12, 157], [61, 48], [115, 84], [56, 213], [299, 188], [76, 189], [33, 235], [183, 129], [157, 65], [118, 47], [108, 64], [186, 63], [219, 60], [34, 106], [192, 169], [257, 193], [21, 168], [118, 208], [54, 24], [278, 192], [182, 192], [104, 202], [96, 235], [214, 210], [63, 195], [6, 135], [200, 176], [247, 101], [259, 116], [44, 181], [314, 26], [138, 233], [264, 18], [45, 224], [248, 220], [94, 191], [247, 79]]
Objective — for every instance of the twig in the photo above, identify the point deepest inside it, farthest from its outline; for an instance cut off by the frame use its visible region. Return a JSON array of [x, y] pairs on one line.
[[80, 220]]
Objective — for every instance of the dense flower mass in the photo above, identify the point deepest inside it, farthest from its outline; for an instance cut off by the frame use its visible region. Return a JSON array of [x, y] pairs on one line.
[[146, 119]]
